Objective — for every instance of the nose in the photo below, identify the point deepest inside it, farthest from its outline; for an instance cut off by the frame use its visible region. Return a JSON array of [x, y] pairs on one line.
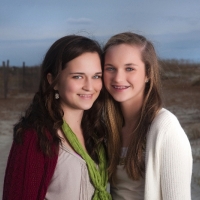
[[88, 86], [118, 76]]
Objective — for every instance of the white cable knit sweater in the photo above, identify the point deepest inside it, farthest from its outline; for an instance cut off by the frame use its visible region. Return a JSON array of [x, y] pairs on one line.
[[168, 160]]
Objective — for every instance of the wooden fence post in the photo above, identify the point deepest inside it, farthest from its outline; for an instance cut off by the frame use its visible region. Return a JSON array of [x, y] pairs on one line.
[[5, 73], [23, 76]]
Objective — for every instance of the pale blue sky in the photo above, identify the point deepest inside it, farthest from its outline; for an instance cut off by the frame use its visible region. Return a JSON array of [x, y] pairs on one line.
[[28, 28]]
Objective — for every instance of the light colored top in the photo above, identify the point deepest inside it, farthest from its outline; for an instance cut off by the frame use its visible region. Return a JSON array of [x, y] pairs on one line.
[[70, 179], [168, 161], [126, 188]]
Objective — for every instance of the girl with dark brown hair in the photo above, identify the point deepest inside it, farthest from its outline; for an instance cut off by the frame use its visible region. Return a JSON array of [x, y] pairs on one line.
[[149, 152], [58, 148]]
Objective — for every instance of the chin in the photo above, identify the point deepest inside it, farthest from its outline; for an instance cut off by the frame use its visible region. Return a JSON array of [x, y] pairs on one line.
[[87, 107], [119, 99]]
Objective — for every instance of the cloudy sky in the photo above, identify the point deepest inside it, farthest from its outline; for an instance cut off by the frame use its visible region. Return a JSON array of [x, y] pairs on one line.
[[28, 28]]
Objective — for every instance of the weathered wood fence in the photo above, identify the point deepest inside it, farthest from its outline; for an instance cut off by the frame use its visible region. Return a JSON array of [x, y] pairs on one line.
[[14, 80]]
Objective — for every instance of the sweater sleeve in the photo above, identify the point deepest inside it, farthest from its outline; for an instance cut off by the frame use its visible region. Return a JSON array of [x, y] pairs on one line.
[[27, 175], [175, 163]]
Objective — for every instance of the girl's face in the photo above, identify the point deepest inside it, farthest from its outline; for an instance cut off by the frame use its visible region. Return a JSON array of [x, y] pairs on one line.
[[124, 73], [80, 82]]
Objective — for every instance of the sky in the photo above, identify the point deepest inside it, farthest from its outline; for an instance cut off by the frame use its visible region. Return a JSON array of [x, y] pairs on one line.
[[29, 28]]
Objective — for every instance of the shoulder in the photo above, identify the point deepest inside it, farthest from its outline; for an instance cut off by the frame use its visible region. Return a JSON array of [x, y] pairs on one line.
[[27, 148], [166, 136], [27, 169], [166, 126], [27, 137], [31, 136], [30, 143], [165, 120], [25, 153]]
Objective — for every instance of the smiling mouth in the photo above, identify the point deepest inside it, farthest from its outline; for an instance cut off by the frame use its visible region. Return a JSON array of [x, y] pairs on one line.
[[120, 87], [85, 95]]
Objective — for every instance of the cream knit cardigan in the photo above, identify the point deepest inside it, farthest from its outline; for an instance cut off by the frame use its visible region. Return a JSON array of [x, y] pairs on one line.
[[168, 160]]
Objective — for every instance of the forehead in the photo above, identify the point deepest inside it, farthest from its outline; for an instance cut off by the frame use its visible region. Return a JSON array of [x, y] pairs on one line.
[[123, 52], [85, 62]]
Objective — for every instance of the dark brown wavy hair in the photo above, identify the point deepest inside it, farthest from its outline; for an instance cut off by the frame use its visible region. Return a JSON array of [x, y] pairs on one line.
[[134, 162], [45, 113]]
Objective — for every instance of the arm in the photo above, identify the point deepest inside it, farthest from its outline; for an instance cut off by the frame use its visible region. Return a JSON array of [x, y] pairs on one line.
[[176, 164], [25, 170]]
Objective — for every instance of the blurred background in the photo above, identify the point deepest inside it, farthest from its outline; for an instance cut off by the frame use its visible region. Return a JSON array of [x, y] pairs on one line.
[[27, 30]]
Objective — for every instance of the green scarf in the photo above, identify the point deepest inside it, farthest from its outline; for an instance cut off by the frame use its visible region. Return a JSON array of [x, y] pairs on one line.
[[98, 175]]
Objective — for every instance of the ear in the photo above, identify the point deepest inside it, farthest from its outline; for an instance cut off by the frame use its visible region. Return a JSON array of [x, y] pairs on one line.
[[50, 80], [146, 79]]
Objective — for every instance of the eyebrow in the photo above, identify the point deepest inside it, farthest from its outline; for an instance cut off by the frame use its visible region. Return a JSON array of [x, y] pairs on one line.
[[127, 64], [130, 64], [84, 73], [108, 65]]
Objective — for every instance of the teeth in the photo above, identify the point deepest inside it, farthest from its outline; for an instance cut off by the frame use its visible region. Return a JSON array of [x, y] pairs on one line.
[[85, 95], [120, 87]]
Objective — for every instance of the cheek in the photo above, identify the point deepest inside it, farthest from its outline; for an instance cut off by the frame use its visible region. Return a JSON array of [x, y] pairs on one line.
[[98, 86], [132, 78], [106, 78], [68, 87]]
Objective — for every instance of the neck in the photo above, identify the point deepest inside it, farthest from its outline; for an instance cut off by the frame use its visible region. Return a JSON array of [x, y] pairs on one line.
[[73, 118], [131, 112]]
